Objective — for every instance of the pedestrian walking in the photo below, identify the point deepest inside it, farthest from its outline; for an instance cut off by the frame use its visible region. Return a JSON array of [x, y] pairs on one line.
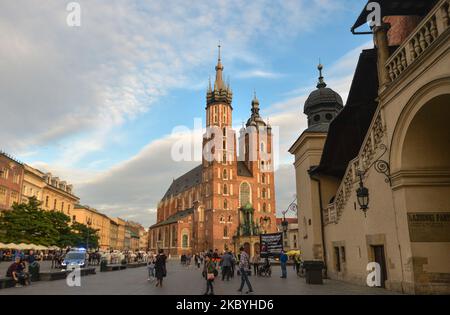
[[255, 262], [210, 273], [151, 268], [297, 262], [244, 268], [160, 268], [283, 263], [227, 261]]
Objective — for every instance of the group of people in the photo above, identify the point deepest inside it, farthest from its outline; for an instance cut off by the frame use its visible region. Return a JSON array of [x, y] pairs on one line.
[[156, 266], [227, 263], [19, 270]]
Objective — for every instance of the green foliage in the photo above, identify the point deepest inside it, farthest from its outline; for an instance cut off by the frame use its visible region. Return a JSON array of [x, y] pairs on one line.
[[28, 223]]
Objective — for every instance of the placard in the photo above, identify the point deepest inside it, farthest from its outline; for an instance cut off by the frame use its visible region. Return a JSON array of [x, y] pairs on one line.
[[271, 244], [429, 226]]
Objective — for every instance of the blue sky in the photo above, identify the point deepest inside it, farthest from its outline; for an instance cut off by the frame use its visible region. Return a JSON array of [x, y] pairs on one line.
[[96, 105]]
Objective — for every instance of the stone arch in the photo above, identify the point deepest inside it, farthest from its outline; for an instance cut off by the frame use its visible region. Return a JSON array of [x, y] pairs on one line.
[[420, 167], [412, 118]]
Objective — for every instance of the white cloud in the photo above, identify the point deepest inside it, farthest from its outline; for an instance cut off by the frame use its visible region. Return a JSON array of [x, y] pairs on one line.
[[258, 74], [73, 87]]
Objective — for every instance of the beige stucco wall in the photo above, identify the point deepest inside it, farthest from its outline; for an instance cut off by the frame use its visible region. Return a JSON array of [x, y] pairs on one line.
[[307, 151], [414, 111]]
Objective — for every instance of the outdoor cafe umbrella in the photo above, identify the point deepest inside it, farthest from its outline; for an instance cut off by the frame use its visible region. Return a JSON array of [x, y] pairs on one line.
[[293, 252], [23, 246]]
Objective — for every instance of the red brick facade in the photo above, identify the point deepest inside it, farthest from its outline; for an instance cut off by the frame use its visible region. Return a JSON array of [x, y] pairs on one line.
[[11, 179], [202, 209]]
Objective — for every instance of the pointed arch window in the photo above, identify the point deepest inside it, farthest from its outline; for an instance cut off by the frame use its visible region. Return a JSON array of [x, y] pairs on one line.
[[244, 194], [225, 231], [225, 174], [264, 208], [263, 178], [225, 204], [264, 193], [225, 189]]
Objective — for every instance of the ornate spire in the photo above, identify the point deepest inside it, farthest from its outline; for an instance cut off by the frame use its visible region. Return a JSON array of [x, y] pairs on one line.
[[221, 91], [209, 85], [321, 83], [255, 101], [219, 84]]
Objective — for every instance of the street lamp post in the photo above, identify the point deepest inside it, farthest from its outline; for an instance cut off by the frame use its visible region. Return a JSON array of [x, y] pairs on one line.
[[89, 222]]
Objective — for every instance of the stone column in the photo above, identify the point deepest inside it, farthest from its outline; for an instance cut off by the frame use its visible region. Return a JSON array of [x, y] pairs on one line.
[[382, 44]]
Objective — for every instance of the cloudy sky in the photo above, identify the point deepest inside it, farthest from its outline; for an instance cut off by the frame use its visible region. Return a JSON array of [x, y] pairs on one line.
[[97, 104]]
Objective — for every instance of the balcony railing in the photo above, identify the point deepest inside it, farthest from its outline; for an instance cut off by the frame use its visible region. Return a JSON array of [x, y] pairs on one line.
[[429, 29], [364, 158]]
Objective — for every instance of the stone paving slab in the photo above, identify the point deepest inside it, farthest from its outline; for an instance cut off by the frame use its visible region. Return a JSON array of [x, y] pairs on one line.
[[183, 280]]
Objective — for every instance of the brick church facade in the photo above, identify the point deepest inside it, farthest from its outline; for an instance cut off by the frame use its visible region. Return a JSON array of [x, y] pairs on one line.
[[228, 200]]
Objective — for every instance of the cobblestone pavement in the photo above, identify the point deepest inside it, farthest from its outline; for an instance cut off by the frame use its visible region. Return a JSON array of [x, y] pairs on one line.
[[183, 280]]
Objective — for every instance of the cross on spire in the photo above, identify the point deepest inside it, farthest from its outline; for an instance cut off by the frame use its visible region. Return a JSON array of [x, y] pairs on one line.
[[321, 83]]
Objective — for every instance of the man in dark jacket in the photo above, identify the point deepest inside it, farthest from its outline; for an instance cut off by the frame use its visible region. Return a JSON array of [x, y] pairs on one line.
[[227, 262], [283, 263]]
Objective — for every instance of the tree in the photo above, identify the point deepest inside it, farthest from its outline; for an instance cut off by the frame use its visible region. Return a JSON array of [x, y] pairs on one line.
[[61, 222], [83, 233], [26, 223]]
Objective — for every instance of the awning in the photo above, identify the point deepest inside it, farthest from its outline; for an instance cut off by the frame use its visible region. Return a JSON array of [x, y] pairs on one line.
[[395, 8]]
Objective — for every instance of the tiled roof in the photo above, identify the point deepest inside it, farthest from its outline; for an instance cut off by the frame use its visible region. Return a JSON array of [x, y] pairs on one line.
[[242, 169], [174, 218], [184, 182]]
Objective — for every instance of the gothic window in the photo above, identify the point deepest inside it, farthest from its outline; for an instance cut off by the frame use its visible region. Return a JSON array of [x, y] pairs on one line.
[[174, 236], [224, 130], [222, 219], [224, 145], [230, 219], [263, 178], [225, 189], [264, 193], [225, 174], [225, 204], [225, 231], [244, 194], [224, 159], [264, 207], [185, 241]]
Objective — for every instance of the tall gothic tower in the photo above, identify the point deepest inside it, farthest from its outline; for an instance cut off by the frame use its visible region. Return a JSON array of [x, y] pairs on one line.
[[219, 172]]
